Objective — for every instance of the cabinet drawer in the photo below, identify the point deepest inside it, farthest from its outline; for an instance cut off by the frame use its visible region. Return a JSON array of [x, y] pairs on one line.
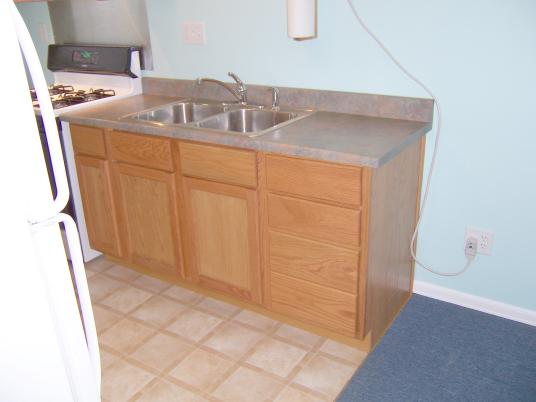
[[313, 261], [220, 164], [141, 150], [321, 180], [314, 220], [315, 304], [88, 140]]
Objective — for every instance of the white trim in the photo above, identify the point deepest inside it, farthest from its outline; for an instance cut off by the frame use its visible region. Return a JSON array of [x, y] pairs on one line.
[[478, 303]]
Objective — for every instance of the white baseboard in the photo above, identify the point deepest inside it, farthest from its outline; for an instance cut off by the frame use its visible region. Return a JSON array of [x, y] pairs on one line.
[[475, 302]]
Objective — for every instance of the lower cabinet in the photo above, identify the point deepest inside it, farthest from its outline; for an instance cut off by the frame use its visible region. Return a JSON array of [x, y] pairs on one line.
[[99, 209], [334, 247], [222, 232], [147, 209]]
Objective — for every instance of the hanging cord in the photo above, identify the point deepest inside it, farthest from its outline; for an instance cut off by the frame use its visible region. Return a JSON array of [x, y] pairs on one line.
[[434, 153]]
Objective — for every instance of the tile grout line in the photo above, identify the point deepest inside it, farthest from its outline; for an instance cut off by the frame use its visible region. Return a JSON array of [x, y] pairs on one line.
[[226, 319]]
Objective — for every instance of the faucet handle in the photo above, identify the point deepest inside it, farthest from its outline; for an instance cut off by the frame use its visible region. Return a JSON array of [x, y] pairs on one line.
[[242, 89], [275, 97]]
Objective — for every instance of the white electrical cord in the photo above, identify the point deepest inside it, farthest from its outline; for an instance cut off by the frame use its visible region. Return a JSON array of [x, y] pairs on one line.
[[469, 256]]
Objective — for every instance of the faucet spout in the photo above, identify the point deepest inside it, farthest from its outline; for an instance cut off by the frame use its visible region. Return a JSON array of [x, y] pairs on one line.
[[240, 92]]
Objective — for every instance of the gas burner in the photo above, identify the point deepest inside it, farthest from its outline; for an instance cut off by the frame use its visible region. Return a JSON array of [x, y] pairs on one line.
[[66, 95], [54, 90], [68, 99], [95, 94], [60, 89]]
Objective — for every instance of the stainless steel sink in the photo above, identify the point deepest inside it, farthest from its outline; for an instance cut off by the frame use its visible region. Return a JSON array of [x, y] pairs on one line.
[[179, 113], [236, 118], [247, 121]]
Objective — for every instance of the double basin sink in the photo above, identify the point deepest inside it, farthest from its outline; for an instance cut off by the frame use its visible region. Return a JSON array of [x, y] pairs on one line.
[[248, 120]]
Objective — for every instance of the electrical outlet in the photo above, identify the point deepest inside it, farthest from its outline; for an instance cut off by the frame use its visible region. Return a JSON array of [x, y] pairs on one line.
[[484, 239], [471, 247], [194, 33]]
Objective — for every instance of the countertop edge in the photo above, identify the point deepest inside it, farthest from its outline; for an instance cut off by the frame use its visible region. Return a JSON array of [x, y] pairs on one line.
[[245, 142]]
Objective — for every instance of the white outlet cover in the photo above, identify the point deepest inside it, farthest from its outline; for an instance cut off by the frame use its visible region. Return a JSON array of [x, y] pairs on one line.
[[194, 33], [484, 239]]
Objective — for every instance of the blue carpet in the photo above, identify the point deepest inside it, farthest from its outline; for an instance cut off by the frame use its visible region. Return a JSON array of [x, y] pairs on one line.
[[437, 351]]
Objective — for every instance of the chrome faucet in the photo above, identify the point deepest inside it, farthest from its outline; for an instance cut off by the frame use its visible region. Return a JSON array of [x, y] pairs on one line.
[[240, 92], [275, 98]]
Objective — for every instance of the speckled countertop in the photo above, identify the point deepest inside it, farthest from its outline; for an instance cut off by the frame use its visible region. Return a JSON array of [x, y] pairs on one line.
[[337, 137]]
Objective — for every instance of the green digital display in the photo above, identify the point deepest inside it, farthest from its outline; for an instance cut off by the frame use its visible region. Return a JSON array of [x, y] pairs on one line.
[[85, 57]]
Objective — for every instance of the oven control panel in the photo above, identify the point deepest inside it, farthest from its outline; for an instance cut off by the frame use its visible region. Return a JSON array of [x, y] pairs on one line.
[[108, 60]]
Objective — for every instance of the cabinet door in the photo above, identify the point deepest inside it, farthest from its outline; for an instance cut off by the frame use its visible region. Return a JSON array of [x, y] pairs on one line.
[[99, 208], [149, 223], [223, 237]]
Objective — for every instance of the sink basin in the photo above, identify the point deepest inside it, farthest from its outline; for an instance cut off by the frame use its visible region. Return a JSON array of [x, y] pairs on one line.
[[250, 120], [246, 120], [180, 112]]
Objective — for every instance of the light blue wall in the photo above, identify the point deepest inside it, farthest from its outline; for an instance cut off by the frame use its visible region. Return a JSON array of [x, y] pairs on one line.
[[479, 57], [37, 18]]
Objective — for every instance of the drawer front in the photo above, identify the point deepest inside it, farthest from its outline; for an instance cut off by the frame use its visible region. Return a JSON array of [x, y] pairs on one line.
[[321, 180], [88, 140], [313, 220], [314, 304], [141, 150], [220, 164], [313, 261]]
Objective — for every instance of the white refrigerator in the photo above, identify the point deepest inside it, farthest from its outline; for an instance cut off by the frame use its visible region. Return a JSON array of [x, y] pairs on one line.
[[48, 347]]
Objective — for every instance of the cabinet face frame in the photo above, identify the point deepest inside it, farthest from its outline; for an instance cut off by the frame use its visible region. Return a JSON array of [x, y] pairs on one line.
[[376, 186], [253, 290], [109, 246], [168, 179]]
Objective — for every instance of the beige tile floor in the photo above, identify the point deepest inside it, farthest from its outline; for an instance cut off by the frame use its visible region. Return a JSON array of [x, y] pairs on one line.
[[160, 342]]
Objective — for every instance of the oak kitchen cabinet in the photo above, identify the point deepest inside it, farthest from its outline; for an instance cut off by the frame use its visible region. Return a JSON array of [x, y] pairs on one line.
[[131, 203], [96, 190], [313, 232], [221, 217], [319, 243], [146, 198]]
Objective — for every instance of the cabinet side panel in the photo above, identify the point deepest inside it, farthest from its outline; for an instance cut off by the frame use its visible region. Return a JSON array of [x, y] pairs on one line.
[[391, 224]]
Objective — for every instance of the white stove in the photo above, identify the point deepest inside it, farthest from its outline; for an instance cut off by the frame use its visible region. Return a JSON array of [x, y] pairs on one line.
[[87, 76]]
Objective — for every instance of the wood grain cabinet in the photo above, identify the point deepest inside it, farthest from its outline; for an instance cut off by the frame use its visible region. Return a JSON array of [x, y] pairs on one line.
[[221, 219], [313, 241], [146, 198], [96, 189], [317, 243], [222, 228], [336, 250], [147, 205]]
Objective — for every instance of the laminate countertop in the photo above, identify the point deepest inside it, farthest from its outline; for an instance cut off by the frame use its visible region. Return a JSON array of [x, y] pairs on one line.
[[336, 137]]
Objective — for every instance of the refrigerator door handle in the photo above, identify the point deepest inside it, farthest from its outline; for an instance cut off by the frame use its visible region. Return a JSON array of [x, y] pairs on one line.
[[49, 119], [86, 311], [84, 298]]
